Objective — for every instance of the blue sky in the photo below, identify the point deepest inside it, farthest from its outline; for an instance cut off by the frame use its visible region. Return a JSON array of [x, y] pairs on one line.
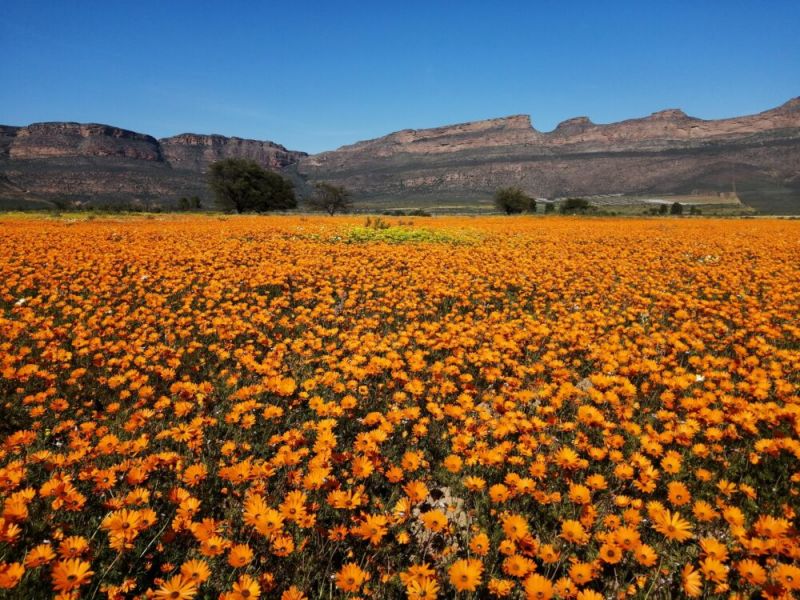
[[317, 75]]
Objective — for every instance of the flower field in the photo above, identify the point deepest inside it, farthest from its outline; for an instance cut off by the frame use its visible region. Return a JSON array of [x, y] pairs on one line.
[[278, 407]]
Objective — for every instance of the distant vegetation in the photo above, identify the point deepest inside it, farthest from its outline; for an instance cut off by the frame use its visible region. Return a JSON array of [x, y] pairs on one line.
[[512, 200], [244, 186], [190, 203], [331, 198], [403, 232], [575, 205]]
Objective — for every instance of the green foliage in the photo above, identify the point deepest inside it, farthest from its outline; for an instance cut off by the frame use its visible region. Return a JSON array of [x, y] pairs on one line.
[[406, 235], [663, 209], [244, 186], [190, 203], [676, 208], [549, 207], [575, 205], [376, 223], [331, 198], [513, 200], [417, 212]]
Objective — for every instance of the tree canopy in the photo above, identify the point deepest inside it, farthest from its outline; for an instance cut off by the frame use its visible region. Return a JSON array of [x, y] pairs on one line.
[[245, 186], [331, 198], [572, 205], [513, 200]]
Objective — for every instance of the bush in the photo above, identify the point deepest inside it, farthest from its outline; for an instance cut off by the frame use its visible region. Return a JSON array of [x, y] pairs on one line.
[[244, 186], [573, 205], [331, 198], [513, 200], [676, 208], [191, 203]]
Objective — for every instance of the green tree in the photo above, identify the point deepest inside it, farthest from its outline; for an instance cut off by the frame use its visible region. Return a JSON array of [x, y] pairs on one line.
[[513, 200], [573, 205], [331, 198], [663, 209], [244, 186], [676, 208]]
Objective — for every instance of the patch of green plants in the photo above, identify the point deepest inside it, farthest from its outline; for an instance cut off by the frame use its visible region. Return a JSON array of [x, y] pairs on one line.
[[404, 234]]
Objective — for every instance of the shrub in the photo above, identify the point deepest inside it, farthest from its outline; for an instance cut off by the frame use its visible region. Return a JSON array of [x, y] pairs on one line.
[[513, 200], [244, 186], [573, 205], [331, 198]]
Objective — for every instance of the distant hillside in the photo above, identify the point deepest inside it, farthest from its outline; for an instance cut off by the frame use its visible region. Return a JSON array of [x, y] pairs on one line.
[[455, 168], [48, 164], [665, 153]]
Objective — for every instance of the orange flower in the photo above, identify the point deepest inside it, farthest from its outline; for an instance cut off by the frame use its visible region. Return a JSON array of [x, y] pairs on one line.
[[70, 574], [416, 491], [538, 587], [373, 528], [350, 577], [465, 574], [10, 575], [177, 588], [246, 588], [213, 546], [751, 572], [196, 571], [40, 555], [610, 554], [240, 555], [435, 520], [645, 555], [293, 593], [672, 526], [73, 547], [479, 544], [282, 545], [678, 493], [515, 527], [573, 532], [518, 566], [691, 581], [581, 573], [788, 576]]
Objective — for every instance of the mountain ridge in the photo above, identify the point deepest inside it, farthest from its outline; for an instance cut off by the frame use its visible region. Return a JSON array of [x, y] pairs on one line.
[[667, 151]]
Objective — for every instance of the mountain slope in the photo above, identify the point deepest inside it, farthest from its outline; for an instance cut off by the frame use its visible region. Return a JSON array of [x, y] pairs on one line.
[[57, 163], [457, 167], [667, 152]]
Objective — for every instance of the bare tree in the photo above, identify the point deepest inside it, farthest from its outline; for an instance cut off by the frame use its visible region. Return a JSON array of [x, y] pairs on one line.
[[331, 198]]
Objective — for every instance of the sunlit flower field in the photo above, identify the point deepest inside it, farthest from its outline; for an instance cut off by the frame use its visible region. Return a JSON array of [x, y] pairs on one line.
[[305, 407]]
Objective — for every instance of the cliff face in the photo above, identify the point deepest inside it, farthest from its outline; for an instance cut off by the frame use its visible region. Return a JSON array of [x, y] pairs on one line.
[[458, 165], [49, 140], [101, 165], [666, 152], [196, 152]]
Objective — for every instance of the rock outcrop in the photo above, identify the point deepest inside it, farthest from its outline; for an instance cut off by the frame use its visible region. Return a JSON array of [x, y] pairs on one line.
[[64, 163], [666, 152], [196, 152], [458, 166]]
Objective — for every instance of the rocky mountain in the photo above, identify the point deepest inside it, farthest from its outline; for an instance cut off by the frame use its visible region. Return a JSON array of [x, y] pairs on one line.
[[457, 167], [47, 164], [667, 152]]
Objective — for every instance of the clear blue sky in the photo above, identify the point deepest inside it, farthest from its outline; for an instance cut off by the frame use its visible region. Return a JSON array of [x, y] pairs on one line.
[[316, 75]]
